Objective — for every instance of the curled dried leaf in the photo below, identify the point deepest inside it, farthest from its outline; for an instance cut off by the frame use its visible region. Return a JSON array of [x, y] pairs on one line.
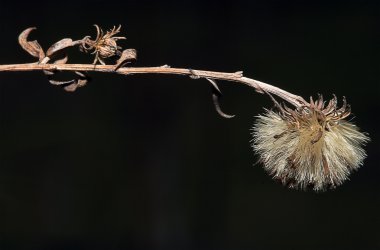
[[60, 45], [216, 94], [76, 84], [81, 81], [32, 47], [83, 78], [214, 86], [60, 83], [55, 51], [126, 56], [215, 99], [71, 87]]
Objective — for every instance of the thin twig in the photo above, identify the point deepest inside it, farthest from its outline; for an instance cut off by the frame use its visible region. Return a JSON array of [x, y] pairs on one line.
[[238, 77]]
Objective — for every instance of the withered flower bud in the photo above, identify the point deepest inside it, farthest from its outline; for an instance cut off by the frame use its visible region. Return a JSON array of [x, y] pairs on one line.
[[310, 146], [104, 45]]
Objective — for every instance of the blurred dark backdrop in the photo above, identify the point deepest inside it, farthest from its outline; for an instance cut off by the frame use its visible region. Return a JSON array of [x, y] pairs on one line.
[[144, 162]]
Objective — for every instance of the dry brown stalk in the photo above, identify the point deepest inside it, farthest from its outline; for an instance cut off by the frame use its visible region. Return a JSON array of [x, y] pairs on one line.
[[234, 77], [105, 46]]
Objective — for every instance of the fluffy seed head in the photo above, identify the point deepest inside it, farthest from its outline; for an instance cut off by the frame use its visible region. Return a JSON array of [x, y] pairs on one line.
[[311, 146]]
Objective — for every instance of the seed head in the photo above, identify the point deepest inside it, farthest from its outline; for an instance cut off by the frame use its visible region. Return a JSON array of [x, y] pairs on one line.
[[104, 45], [310, 146]]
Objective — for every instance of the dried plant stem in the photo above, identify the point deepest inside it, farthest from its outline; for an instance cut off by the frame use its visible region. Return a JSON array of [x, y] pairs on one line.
[[309, 145], [238, 77]]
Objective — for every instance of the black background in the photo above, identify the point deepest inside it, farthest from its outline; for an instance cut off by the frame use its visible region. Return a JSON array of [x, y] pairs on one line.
[[145, 162]]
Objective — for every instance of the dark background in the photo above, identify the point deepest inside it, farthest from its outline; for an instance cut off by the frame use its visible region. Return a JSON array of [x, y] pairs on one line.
[[145, 162]]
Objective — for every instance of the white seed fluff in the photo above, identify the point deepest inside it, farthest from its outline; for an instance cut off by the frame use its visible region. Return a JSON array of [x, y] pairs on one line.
[[307, 151]]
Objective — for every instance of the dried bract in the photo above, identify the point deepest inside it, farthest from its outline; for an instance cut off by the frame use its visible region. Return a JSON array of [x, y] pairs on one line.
[[54, 55], [104, 45], [310, 146], [32, 47], [60, 45], [125, 57]]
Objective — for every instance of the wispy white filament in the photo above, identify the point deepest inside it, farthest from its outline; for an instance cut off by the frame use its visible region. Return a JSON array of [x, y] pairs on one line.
[[307, 154]]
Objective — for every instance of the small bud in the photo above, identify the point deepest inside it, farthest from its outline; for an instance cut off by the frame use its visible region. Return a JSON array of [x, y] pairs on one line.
[[104, 45]]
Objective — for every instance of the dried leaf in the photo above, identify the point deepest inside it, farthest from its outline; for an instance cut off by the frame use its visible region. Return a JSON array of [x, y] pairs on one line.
[[71, 88], [61, 44], [83, 78], [81, 74], [214, 86], [32, 47], [59, 83], [126, 55], [76, 84], [82, 82], [216, 94], [215, 99]]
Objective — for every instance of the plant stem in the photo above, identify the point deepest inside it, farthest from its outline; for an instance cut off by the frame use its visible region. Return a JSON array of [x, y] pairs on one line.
[[238, 77]]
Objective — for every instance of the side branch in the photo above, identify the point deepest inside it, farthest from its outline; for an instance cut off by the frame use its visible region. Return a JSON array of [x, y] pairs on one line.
[[238, 77]]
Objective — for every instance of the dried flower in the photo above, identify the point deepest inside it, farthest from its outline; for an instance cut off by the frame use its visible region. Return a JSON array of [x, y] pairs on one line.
[[104, 45], [311, 146]]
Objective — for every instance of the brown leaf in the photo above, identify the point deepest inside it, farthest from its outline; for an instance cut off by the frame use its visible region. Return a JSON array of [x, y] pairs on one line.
[[82, 79], [32, 47], [82, 82], [58, 83], [126, 55], [216, 94], [214, 86], [215, 99], [61, 44], [76, 84], [71, 88]]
